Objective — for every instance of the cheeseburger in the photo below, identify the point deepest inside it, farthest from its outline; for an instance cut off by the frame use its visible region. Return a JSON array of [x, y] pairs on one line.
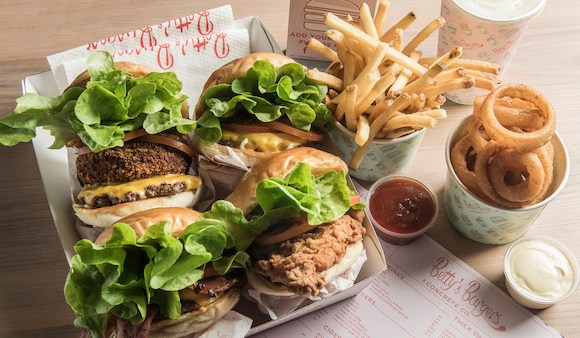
[[257, 105], [305, 249], [127, 124], [154, 274]]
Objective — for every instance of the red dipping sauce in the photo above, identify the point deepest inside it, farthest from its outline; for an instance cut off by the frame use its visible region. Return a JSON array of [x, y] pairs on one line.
[[401, 209]]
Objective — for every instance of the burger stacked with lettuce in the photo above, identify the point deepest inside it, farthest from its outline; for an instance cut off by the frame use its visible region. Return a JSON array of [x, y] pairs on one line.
[[127, 124], [260, 104]]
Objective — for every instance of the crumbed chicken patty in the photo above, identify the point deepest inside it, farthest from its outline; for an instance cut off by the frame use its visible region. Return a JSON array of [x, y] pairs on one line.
[[133, 161], [297, 262]]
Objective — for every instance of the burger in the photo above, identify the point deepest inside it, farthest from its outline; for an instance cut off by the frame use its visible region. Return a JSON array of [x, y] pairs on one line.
[[127, 124], [258, 105], [163, 272], [316, 231]]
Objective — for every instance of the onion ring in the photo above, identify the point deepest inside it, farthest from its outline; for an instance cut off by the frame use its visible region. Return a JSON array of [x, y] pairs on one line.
[[526, 165], [519, 141], [546, 156], [528, 119], [459, 160], [479, 136]]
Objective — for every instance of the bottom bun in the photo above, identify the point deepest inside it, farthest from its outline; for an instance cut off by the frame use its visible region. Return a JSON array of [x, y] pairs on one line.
[[263, 285], [196, 321], [106, 216], [214, 151]]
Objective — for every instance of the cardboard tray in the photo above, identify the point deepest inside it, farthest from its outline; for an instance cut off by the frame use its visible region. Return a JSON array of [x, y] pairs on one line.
[[54, 170]]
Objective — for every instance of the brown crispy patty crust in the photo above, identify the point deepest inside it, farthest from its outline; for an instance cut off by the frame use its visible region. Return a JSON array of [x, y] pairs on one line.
[[133, 161]]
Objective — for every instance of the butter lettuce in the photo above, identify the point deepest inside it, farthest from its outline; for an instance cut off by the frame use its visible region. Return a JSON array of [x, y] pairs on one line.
[[266, 94], [126, 274], [113, 103]]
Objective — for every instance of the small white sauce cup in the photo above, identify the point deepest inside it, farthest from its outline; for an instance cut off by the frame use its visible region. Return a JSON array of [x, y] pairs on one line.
[[525, 298]]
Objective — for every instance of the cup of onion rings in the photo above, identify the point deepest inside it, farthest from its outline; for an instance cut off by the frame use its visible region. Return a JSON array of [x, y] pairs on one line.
[[483, 220], [384, 157]]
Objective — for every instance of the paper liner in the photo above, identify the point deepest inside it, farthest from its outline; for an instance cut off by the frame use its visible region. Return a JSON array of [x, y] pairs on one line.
[[278, 306], [232, 325]]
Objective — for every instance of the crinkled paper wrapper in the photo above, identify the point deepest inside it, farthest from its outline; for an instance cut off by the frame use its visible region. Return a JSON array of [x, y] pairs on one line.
[[278, 306], [232, 325]]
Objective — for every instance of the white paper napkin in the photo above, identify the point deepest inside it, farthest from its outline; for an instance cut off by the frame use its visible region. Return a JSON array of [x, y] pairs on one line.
[[192, 47]]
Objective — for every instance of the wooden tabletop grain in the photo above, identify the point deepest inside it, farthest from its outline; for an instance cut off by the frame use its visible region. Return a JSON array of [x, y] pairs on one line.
[[32, 264]]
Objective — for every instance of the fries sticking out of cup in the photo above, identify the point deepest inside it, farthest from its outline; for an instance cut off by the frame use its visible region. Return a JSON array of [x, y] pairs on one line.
[[395, 91]]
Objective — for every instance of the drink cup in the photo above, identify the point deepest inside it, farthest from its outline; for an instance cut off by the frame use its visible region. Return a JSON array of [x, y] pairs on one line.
[[488, 30]]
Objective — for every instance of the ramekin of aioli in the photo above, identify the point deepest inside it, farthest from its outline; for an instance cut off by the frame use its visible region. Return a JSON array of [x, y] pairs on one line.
[[401, 208], [540, 271]]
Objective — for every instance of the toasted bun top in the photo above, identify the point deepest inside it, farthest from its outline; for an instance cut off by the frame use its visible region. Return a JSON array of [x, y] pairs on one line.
[[237, 68], [134, 69], [279, 165], [178, 218]]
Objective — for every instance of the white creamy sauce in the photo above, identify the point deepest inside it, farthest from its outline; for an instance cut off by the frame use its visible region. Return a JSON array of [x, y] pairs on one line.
[[541, 270], [499, 9]]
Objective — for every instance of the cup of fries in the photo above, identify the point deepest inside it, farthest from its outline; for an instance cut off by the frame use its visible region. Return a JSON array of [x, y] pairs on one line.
[[485, 223], [384, 156], [383, 90]]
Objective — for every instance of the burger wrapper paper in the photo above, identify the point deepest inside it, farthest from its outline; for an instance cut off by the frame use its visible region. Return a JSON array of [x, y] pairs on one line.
[[277, 306], [191, 47], [232, 325]]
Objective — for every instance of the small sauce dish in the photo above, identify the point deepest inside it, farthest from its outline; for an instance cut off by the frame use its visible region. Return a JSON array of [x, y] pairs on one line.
[[540, 271], [401, 208]]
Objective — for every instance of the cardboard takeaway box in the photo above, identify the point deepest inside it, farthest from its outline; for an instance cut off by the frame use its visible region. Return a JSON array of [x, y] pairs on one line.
[[54, 169]]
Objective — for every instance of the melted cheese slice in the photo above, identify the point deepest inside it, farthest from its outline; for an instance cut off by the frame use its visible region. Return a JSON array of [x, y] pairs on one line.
[[137, 187], [201, 300], [263, 142]]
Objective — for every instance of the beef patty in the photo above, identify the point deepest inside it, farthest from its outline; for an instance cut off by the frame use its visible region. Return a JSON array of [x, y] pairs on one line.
[[133, 161]]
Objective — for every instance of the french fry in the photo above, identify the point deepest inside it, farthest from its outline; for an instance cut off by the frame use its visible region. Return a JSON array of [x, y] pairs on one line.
[[405, 22], [349, 68], [437, 67], [483, 83], [379, 108], [332, 93], [398, 40], [399, 132], [362, 130], [461, 83], [423, 34], [367, 21], [323, 50], [405, 75], [409, 120], [483, 66], [418, 103], [369, 43], [380, 87], [375, 127], [450, 75], [434, 113], [363, 79], [381, 15], [325, 79], [348, 105], [435, 102]]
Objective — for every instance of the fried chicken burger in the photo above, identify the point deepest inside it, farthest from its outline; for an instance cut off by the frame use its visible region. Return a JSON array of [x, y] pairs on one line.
[[318, 232]]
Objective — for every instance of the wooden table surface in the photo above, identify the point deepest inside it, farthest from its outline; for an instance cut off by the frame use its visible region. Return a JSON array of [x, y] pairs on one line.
[[32, 264]]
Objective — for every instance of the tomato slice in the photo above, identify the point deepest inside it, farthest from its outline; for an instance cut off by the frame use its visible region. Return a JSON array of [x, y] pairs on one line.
[[298, 227], [285, 128], [354, 199], [246, 128], [128, 137], [168, 141]]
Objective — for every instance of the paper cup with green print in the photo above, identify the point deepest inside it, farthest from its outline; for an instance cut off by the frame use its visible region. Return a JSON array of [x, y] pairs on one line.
[[383, 157], [488, 30], [486, 223]]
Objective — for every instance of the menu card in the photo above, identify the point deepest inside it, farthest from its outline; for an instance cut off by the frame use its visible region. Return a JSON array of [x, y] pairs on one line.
[[425, 292]]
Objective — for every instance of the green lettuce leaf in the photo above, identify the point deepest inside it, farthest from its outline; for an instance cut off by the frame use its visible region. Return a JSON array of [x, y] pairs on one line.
[[267, 95], [113, 102]]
